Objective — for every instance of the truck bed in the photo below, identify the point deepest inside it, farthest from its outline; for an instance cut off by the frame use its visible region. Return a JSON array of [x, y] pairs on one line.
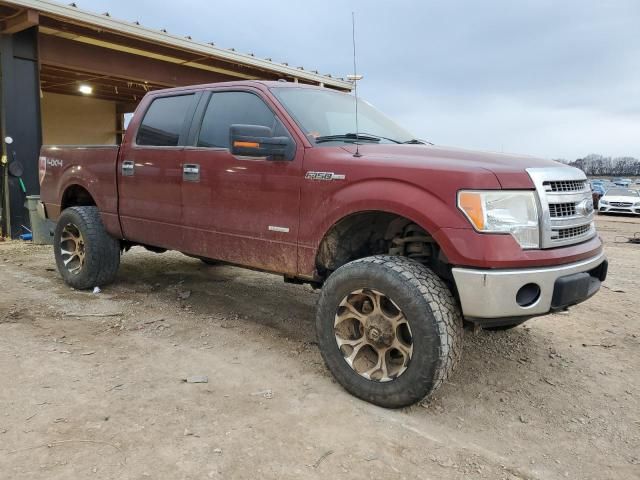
[[69, 170]]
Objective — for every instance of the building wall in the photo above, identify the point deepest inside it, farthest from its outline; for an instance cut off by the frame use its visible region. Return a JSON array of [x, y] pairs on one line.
[[20, 112], [73, 120]]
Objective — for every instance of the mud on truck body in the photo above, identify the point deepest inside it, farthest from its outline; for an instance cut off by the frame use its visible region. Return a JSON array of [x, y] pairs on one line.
[[405, 239]]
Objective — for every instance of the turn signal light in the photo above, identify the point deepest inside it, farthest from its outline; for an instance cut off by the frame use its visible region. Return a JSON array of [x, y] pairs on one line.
[[246, 144], [471, 204]]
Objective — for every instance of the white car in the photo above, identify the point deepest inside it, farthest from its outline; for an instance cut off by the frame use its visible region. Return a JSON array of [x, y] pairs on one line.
[[620, 200]]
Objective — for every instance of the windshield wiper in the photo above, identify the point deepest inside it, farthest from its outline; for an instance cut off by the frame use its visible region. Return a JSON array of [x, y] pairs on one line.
[[349, 137], [417, 141], [379, 136]]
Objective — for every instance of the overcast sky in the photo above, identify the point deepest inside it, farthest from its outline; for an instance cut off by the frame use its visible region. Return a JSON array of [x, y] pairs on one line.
[[557, 79]]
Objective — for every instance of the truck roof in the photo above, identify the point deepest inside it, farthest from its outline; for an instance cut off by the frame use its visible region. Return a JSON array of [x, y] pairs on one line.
[[239, 83]]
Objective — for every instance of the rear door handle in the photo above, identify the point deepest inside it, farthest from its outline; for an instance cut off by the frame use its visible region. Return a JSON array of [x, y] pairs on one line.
[[191, 172], [128, 168]]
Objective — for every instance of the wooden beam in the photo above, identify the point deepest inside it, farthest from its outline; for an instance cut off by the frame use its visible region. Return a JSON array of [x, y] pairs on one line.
[[71, 55], [97, 95], [62, 76], [47, 81], [24, 20]]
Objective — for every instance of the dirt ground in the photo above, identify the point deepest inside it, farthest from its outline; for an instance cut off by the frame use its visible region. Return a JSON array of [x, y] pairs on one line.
[[87, 396]]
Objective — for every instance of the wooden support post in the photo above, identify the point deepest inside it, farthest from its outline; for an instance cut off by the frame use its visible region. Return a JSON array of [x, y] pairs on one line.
[[25, 20]]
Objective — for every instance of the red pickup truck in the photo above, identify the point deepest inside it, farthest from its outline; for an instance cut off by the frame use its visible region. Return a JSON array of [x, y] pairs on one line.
[[405, 238]]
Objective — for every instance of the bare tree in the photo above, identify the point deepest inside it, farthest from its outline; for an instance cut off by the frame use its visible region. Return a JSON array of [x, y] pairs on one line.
[[599, 165]]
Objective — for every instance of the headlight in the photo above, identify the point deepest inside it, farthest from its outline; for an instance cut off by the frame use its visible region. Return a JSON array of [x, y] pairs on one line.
[[500, 211], [637, 204], [603, 202]]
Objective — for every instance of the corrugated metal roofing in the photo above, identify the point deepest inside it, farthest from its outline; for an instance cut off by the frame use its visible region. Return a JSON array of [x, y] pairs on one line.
[[161, 37]]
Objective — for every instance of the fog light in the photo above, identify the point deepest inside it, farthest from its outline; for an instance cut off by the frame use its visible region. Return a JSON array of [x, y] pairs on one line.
[[528, 295]]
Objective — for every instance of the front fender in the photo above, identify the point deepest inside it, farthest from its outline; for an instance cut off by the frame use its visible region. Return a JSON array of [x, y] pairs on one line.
[[385, 195]]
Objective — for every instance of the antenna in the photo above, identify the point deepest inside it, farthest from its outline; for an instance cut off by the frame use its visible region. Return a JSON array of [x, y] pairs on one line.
[[355, 77]]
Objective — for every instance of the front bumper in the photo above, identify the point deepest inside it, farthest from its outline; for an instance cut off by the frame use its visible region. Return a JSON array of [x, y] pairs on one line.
[[618, 209], [509, 293]]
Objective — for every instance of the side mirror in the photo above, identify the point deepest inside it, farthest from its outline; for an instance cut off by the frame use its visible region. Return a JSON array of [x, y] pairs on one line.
[[258, 141]]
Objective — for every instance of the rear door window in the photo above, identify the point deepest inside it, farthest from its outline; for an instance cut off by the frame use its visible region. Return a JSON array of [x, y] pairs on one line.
[[235, 108], [164, 121]]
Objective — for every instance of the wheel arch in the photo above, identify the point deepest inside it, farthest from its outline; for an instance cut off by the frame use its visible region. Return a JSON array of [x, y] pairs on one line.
[[371, 232], [391, 197], [76, 195]]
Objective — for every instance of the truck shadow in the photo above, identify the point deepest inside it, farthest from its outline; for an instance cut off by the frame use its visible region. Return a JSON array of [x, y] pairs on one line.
[[261, 303], [223, 291]]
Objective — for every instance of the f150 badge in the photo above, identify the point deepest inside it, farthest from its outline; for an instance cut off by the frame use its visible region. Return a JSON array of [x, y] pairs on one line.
[[325, 176]]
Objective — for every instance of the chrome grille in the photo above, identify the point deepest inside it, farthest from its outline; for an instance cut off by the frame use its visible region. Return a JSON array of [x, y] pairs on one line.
[[566, 206], [620, 204], [570, 232], [565, 185], [562, 209]]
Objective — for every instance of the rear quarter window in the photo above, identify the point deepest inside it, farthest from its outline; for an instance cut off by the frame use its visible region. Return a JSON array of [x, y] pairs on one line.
[[164, 121]]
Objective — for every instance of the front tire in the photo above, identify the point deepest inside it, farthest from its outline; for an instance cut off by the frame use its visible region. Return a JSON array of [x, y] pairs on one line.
[[86, 255], [389, 330]]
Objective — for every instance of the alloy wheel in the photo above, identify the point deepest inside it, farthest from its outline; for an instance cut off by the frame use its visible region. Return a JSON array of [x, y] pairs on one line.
[[72, 248], [373, 335]]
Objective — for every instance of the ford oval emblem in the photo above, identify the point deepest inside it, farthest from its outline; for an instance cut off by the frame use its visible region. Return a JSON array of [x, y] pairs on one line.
[[585, 207]]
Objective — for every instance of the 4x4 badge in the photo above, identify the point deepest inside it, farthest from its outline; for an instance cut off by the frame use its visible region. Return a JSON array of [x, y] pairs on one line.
[[326, 176]]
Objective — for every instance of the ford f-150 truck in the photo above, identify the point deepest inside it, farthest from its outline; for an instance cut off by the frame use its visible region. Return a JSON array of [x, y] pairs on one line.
[[406, 239]]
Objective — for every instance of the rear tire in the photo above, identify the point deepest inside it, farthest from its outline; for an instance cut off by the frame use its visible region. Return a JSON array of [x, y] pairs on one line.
[[86, 255], [401, 311]]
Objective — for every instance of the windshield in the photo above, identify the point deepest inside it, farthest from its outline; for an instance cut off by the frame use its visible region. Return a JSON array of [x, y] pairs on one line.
[[323, 113], [622, 192]]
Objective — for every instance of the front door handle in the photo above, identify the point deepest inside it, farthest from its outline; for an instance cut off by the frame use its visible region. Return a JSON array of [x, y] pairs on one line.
[[128, 168], [191, 172]]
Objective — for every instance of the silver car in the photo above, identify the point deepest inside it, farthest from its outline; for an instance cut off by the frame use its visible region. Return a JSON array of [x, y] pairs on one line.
[[620, 200]]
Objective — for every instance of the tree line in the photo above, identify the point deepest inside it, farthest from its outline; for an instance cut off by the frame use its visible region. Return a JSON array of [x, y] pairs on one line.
[[599, 165]]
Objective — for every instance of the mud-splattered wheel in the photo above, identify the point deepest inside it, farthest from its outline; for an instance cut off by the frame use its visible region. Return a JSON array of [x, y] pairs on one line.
[[86, 255], [373, 335], [389, 330], [72, 249]]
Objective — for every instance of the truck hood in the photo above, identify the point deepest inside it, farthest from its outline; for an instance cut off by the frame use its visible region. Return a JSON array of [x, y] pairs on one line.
[[510, 170]]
